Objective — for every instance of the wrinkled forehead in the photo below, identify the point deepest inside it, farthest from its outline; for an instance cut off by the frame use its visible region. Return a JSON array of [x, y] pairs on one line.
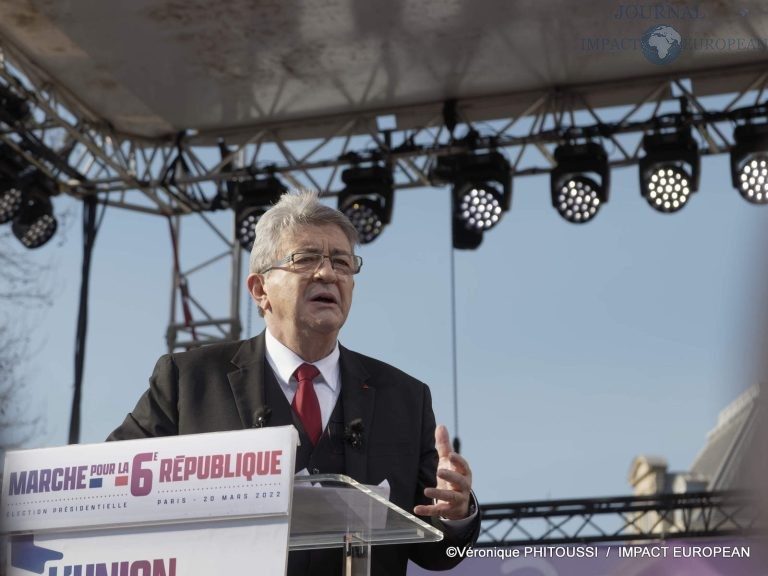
[[326, 238]]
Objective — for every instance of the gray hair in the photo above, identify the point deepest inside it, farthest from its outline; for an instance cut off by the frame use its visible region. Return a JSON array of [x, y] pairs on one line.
[[293, 210]]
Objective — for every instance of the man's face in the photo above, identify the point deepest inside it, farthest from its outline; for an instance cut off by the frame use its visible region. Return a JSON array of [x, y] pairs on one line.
[[308, 304]]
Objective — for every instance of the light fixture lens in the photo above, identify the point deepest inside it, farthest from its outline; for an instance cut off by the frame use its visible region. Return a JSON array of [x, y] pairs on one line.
[[753, 178], [245, 226], [39, 232], [668, 188], [10, 203], [34, 225], [578, 200], [365, 215], [479, 208]]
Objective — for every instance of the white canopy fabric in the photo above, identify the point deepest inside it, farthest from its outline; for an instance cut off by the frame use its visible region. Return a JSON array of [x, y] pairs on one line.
[[152, 68]]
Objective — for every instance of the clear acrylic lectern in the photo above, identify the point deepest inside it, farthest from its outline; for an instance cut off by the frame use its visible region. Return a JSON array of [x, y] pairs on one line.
[[335, 511]]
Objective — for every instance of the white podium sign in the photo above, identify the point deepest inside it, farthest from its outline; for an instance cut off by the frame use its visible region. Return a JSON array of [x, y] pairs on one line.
[[183, 505]]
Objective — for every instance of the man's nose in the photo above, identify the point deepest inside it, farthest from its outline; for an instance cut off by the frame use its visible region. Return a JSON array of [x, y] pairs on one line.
[[326, 269]]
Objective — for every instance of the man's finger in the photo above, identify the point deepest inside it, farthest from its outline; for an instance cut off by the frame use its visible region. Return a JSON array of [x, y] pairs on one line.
[[444, 495], [456, 479], [442, 441], [431, 509], [460, 464]]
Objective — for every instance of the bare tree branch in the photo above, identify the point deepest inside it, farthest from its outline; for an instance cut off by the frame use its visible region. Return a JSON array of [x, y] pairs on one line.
[[19, 274], [17, 422], [20, 286]]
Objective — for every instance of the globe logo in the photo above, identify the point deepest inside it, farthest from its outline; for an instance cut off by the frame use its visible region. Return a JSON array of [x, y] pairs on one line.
[[661, 44]]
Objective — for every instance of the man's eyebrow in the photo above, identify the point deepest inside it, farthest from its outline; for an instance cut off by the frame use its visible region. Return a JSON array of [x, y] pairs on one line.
[[320, 250]]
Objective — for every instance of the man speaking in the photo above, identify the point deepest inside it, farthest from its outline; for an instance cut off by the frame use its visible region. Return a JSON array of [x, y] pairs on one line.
[[355, 415]]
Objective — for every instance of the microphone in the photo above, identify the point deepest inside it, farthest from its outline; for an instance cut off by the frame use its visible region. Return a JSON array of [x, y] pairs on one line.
[[261, 417], [353, 433]]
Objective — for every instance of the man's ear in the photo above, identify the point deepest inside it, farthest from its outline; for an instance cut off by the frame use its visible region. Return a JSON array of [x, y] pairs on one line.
[[257, 291]]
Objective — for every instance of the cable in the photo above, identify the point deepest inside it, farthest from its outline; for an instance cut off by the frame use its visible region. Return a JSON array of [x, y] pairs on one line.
[[90, 228], [456, 441]]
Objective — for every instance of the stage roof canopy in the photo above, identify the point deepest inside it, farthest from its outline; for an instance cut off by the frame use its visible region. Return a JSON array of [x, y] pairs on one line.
[[150, 69]]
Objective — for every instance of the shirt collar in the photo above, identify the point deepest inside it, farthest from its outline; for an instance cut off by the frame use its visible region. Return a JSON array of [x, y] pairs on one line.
[[285, 361]]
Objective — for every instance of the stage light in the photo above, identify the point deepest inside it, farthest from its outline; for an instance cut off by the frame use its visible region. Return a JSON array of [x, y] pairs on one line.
[[367, 200], [253, 197], [482, 193], [13, 109], [479, 206], [577, 195], [10, 201], [669, 171], [26, 201], [35, 224], [749, 162], [668, 188], [11, 168]]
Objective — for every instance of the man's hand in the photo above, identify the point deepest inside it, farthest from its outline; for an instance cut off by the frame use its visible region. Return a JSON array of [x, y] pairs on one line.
[[454, 482]]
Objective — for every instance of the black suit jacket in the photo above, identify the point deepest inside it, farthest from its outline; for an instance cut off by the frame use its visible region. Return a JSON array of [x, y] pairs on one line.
[[221, 386]]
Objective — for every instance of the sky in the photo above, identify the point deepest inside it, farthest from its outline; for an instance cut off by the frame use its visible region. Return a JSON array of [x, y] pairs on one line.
[[579, 347]]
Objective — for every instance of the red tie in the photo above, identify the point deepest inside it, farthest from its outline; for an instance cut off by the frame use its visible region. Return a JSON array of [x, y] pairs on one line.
[[305, 402]]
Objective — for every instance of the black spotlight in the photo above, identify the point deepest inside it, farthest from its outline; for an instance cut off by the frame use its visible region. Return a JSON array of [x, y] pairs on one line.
[[367, 200], [12, 168], [669, 172], [10, 200], [35, 223], [482, 192], [253, 197], [13, 109], [580, 181], [749, 162]]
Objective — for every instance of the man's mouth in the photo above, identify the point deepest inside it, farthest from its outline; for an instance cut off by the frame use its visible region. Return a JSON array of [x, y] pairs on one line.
[[325, 298]]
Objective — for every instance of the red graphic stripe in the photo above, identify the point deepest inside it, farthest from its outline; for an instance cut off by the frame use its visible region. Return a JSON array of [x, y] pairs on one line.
[[121, 480]]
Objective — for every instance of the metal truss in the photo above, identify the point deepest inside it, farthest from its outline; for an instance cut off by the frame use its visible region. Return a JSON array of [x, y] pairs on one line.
[[192, 322], [629, 518], [186, 173]]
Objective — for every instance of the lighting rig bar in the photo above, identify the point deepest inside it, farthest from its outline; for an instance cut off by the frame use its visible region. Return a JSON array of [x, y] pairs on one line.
[[182, 174], [626, 518]]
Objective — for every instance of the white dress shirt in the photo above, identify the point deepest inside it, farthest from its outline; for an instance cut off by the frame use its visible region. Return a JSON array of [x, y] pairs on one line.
[[284, 363]]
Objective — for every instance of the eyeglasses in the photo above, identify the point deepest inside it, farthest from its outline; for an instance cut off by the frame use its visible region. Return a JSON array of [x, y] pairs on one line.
[[311, 262]]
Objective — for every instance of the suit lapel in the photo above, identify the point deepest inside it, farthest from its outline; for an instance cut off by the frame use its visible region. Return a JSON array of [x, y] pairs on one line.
[[358, 399], [247, 381]]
